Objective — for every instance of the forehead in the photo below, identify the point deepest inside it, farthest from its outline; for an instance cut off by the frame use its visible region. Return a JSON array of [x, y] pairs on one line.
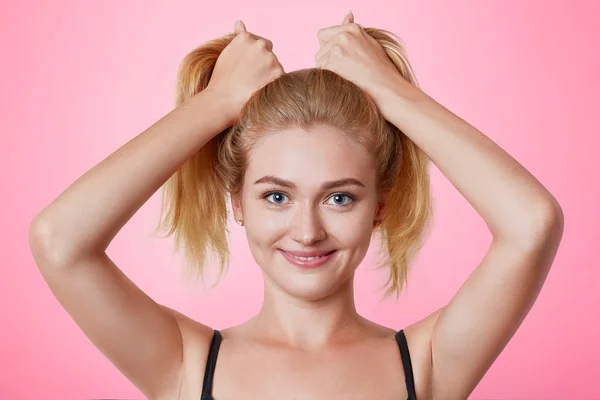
[[310, 157]]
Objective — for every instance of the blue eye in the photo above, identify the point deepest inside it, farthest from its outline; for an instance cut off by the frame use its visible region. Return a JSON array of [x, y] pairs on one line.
[[277, 195], [278, 199], [342, 195]]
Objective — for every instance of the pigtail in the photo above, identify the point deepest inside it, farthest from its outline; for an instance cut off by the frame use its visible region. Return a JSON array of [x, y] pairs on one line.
[[405, 182], [193, 203]]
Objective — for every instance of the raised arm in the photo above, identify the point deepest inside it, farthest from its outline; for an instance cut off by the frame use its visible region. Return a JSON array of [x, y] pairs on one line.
[[525, 220], [526, 223], [69, 238]]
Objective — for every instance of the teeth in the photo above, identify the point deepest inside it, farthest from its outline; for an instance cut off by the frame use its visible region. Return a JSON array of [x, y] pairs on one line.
[[306, 258]]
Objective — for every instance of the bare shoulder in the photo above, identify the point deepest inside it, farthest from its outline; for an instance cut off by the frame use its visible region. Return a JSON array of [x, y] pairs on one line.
[[419, 339], [196, 338]]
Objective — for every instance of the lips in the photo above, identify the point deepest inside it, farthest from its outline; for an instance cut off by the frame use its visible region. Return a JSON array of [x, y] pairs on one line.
[[309, 253], [316, 260]]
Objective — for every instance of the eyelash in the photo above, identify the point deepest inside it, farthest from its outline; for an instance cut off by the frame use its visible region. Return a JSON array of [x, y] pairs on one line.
[[352, 198]]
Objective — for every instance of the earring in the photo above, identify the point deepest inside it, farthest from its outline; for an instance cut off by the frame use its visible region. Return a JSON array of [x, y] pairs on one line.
[[240, 221]]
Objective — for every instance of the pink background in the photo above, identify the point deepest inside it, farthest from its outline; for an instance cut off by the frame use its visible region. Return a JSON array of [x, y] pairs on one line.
[[79, 79]]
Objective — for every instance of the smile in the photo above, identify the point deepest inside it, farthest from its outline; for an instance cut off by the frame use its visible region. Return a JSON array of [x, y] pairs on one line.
[[306, 258], [307, 262]]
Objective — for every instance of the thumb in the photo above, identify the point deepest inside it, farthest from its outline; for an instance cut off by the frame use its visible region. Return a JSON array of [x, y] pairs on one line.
[[239, 26], [349, 18]]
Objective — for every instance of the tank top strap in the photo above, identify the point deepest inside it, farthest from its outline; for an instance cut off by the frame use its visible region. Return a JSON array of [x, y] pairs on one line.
[[211, 363], [406, 363]]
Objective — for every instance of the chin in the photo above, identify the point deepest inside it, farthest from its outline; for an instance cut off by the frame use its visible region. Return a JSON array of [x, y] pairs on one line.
[[310, 293]]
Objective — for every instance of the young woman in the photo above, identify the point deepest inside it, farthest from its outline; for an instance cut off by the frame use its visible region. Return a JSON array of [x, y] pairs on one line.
[[314, 162]]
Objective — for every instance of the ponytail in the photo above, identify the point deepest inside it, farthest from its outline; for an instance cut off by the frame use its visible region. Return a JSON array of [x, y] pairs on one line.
[[194, 204]]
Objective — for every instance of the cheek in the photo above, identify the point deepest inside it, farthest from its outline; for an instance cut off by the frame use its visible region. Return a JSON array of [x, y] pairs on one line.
[[264, 235], [267, 228], [262, 223], [352, 232]]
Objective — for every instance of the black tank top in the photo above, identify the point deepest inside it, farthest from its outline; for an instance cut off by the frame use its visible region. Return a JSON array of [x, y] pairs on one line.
[[211, 362]]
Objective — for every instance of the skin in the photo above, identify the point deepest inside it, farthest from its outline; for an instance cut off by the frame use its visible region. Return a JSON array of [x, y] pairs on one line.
[[308, 217], [308, 327]]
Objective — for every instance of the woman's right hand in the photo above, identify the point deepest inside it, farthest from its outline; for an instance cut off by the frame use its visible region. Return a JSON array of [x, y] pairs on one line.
[[244, 66]]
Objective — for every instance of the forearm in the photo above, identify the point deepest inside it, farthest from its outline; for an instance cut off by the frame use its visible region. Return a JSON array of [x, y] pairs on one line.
[[90, 212], [513, 203]]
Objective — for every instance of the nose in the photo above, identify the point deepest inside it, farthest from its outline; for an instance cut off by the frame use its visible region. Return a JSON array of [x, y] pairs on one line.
[[307, 227]]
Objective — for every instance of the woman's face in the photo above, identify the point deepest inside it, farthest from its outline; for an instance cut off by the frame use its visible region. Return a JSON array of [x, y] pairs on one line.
[[286, 207]]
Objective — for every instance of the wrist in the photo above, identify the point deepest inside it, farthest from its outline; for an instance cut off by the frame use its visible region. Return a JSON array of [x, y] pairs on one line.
[[206, 114], [223, 105], [398, 97]]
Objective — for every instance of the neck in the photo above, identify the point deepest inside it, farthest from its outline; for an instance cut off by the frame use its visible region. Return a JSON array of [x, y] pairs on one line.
[[306, 324]]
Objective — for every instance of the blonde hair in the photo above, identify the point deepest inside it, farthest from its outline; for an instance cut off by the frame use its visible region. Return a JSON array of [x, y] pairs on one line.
[[194, 201]]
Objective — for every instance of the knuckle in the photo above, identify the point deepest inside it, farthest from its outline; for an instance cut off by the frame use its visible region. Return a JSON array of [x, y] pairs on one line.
[[261, 44], [344, 37], [271, 57], [244, 36], [322, 35], [273, 73], [353, 27], [271, 61]]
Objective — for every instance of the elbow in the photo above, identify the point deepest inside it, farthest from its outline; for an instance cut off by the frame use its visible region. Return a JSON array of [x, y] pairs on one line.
[[39, 232], [51, 249], [546, 226], [550, 218], [46, 250], [542, 226], [39, 242]]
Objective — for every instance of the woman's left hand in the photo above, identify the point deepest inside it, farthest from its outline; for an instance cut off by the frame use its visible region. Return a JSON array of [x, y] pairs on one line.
[[353, 54]]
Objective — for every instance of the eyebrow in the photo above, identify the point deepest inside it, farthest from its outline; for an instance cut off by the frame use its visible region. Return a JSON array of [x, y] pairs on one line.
[[325, 186]]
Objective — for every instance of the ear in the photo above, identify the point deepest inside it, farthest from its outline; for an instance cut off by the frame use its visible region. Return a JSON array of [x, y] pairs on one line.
[[236, 205], [380, 210]]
